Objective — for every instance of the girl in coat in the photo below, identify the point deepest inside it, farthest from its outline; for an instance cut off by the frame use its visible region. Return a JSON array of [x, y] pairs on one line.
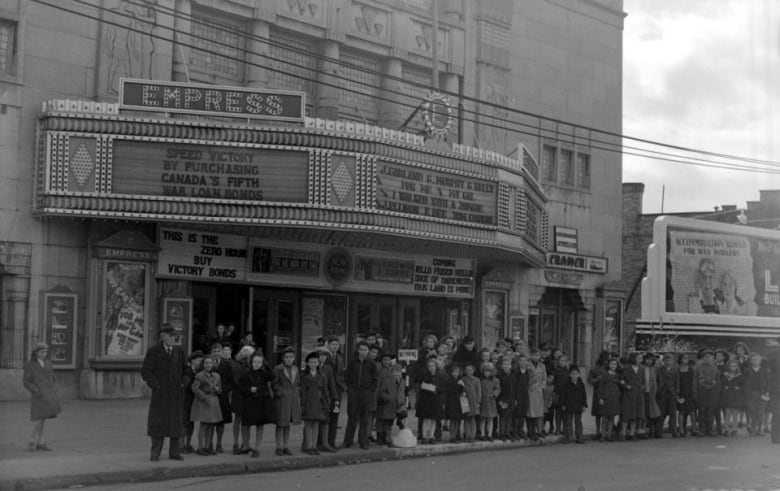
[[428, 402], [521, 381], [259, 408], [686, 405], [609, 399], [39, 380], [756, 387], [594, 376], [473, 390], [452, 408], [506, 398], [390, 398], [206, 407], [193, 367], [490, 388], [731, 396], [315, 402], [537, 380], [287, 391], [240, 368], [632, 408]]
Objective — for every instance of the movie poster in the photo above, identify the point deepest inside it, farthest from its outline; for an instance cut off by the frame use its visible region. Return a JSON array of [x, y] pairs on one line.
[[723, 274], [124, 291]]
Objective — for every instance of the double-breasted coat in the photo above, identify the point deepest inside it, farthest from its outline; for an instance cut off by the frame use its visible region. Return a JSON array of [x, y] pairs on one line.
[[731, 393], [537, 379], [428, 401], [165, 375], [315, 396], [390, 395], [205, 406], [287, 393], [632, 407], [259, 407], [609, 392], [490, 388], [41, 383], [473, 390]]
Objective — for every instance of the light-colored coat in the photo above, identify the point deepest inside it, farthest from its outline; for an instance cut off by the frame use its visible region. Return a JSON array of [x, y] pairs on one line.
[[287, 393], [40, 382], [537, 380]]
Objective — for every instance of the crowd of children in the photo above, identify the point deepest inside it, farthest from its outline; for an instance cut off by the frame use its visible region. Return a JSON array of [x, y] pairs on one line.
[[507, 393]]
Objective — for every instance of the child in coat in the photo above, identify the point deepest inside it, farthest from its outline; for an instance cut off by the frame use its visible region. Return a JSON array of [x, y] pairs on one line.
[[287, 391], [756, 387], [473, 390], [609, 399], [452, 409], [549, 413], [390, 398], [506, 398], [315, 402], [428, 402], [490, 388], [731, 396], [573, 401], [521, 382], [205, 406]]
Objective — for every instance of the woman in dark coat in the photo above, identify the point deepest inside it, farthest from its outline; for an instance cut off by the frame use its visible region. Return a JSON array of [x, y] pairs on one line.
[[608, 390], [240, 367], [466, 353], [687, 407], [632, 408], [39, 380], [259, 408], [594, 376], [429, 406], [452, 389], [315, 402]]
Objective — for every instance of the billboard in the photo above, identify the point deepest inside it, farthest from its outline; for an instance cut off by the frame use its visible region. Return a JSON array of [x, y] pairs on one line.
[[712, 277]]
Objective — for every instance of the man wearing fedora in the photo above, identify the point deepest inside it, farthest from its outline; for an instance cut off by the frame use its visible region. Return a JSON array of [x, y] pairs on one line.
[[164, 372]]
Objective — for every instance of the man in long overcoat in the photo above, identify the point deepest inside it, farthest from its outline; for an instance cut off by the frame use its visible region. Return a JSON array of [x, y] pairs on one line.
[[163, 372]]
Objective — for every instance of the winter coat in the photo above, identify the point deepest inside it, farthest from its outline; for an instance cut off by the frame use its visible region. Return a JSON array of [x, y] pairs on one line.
[[706, 385], [507, 397], [609, 392], [41, 383], [333, 390], [731, 393], [686, 392], [668, 382], [259, 407], [205, 406], [561, 379], [755, 384], [391, 395], [650, 391], [189, 378], [315, 396], [632, 407], [337, 366], [521, 382], [429, 402], [463, 357], [574, 398], [594, 377], [236, 396], [287, 393], [490, 388], [452, 390], [473, 390], [537, 380], [165, 376], [225, 370]]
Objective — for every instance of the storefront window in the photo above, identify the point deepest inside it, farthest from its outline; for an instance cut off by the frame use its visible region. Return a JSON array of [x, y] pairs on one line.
[[322, 316], [612, 325], [124, 319]]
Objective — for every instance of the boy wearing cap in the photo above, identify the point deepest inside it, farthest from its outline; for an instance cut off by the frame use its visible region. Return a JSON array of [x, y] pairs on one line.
[[668, 394], [362, 380], [706, 391], [163, 371]]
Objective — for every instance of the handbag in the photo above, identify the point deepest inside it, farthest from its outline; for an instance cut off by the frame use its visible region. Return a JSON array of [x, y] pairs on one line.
[[465, 408], [428, 387]]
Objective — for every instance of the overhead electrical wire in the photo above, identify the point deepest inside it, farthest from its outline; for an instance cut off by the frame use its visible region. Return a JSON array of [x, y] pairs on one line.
[[539, 132]]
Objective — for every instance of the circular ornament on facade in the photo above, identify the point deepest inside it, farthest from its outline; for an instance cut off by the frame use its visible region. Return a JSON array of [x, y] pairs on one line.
[[435, 106], [338, 266]]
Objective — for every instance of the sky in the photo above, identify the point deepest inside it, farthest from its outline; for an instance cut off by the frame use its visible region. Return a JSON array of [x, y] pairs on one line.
[[702, 74]]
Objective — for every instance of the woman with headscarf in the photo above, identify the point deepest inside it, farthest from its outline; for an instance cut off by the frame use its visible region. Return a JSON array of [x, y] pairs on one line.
[[40, 381]]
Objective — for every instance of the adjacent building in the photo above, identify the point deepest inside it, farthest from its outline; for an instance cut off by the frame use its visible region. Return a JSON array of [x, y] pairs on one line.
[[286, 167]]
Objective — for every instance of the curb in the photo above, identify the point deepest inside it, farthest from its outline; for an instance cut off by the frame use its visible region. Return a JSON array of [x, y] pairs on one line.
[[162, 473]]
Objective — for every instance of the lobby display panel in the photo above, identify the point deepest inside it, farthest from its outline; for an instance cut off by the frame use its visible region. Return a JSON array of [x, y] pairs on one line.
[[124, 314], [184, 170]]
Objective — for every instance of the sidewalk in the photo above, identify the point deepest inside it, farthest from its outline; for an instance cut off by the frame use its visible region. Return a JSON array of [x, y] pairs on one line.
[[104, 442]]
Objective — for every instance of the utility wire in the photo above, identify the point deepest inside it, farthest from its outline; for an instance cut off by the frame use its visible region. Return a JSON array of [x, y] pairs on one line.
[[538, 133]]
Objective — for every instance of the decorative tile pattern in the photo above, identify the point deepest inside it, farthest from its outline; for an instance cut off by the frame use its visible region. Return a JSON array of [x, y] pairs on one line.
[[81, 165], [341, 181]]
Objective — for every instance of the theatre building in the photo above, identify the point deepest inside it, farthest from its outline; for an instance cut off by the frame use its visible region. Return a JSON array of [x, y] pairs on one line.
[[290, 172]]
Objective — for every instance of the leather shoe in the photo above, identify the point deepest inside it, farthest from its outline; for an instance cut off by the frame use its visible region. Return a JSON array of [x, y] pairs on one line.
[[176, 457]]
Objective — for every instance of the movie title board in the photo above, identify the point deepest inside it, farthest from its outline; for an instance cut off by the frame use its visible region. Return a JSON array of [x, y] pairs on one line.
[[424, 192], [201, 256], [209, 171], [425, 275]]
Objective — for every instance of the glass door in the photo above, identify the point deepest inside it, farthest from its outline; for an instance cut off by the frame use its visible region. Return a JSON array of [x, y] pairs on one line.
[[275, 321]]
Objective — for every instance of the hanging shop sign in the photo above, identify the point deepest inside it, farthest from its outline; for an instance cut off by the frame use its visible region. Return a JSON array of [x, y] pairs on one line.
[[234, 102], [201, 256], [424, 192], [576, 262], [209, 171], [566, 240]]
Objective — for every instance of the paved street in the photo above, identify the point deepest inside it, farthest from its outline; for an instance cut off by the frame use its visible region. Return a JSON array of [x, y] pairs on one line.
[[687, 464]]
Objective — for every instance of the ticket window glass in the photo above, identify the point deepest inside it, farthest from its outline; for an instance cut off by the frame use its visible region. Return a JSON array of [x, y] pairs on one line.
[[375, 314]]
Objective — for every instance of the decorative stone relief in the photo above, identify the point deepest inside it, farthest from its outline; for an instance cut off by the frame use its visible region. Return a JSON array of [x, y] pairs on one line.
[[494, 90], [307, 10], [369, 20], [422, 35]]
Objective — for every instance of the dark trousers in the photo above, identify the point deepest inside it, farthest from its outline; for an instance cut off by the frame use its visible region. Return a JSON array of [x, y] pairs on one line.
[[333, 425], [157, 445], [358, 416], [668, 405], [572, 421]]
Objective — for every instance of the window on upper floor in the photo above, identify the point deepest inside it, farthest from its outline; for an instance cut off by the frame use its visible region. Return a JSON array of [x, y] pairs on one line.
[[293, 64], [549, 163], [7, 47], [583, 170], [361, 86], [567, 167], [218, 49]]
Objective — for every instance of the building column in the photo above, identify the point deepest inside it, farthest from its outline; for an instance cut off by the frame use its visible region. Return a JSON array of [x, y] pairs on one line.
[[392, 115], [328, 95], [181, 51], [258, 47]]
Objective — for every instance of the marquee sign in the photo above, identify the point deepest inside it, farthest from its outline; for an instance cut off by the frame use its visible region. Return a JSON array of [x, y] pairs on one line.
[[233, 102], [577, 262]]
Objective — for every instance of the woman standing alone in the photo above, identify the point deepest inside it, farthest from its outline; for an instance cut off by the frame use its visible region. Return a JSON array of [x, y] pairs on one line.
[[39, 380]]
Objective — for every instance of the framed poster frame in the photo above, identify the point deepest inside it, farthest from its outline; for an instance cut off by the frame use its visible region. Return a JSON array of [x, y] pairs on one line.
[[60, 318], [178, 313]]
